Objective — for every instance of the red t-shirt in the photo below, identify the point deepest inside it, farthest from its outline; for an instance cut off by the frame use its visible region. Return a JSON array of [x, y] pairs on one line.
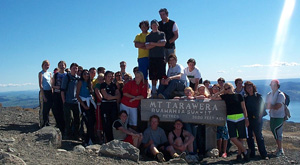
[[136, 90]]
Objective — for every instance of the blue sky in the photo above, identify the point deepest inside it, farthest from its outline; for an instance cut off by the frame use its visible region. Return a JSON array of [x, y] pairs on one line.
[[230, 39]]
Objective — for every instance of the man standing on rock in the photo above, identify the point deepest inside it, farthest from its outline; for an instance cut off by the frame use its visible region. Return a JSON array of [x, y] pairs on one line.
[[68, 93], [139, 42], [170, 28], [155, 42]]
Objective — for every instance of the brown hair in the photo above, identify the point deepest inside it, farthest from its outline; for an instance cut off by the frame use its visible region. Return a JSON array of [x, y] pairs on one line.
[[154, 116], [249, 83], [237, 80]]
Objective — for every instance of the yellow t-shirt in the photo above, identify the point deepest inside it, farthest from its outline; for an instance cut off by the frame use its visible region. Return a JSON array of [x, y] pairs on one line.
[[142, 38], [94, 82]]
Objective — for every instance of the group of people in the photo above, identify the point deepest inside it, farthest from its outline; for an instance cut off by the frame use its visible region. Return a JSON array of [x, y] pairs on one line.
[[109, 105]]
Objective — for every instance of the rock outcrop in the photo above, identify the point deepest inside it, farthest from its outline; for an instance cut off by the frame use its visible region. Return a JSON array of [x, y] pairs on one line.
[[120, 149], [50, 135]]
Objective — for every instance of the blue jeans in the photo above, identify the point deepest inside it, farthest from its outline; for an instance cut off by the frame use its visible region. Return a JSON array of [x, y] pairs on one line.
[[255, 126], [174, 85]]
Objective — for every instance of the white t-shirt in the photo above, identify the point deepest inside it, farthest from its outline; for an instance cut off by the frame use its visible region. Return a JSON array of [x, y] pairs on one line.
[[176, 70], [279, 98], [193, 74]]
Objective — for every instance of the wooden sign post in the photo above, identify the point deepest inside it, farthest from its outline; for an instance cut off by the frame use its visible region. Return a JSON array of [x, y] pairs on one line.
[[212, 113]]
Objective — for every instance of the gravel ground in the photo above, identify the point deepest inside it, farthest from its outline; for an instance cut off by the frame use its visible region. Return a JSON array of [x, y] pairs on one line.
[[18, 128]]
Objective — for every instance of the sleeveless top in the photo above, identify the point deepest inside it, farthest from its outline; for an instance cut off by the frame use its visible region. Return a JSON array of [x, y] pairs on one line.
[[46, 81], [119, 135], [181, 136], [84, 90]]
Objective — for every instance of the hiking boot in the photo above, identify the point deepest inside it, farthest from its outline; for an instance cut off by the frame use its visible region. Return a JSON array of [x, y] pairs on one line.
[[280, 153], [247, 156], [160, 157], [239, 158]]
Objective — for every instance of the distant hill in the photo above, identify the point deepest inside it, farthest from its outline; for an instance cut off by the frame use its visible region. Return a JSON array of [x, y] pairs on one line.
[[25, 99]]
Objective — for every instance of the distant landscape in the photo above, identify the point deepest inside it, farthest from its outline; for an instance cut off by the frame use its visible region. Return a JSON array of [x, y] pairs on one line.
[[29, 99]]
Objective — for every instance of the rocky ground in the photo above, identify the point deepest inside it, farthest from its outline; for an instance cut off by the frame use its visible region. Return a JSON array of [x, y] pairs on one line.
[[19, 137]]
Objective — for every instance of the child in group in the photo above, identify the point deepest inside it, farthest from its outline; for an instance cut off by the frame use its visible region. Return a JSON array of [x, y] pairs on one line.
[[188, 94], [202, 92], [222, 131]]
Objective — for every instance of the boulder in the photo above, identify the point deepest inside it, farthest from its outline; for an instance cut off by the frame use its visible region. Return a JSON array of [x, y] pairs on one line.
[[50, 135], [93, 148], [79, 148], [6, 158], [177, 161], [120, 149], [213, 153]]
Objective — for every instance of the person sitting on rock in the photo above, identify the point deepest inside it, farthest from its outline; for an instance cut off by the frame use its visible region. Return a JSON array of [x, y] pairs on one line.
[[155, 141], [121, 131], [176, 80], [180, 139]]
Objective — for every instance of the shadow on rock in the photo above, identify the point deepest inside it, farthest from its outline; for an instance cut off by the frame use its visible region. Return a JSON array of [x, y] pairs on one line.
[[21, 128]]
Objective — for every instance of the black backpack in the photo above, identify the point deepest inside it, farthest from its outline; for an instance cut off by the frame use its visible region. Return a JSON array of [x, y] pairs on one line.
[[286, 104]]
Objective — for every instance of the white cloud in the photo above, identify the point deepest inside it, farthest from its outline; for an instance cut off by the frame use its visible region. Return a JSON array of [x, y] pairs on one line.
[[16, 85], [253, 66], [220, 71], [277, 64]]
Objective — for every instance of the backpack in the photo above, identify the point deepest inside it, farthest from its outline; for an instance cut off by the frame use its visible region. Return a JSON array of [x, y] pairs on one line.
[[286, 104]]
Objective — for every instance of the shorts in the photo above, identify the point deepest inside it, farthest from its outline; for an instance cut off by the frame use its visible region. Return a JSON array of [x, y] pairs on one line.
[[222, 133], [128, 139], [157, 68], [144, 66], [132, 114], [276, 125], [237, 129]]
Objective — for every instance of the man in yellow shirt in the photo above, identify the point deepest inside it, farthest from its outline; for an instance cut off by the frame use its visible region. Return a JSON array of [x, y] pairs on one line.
[[143, 53]]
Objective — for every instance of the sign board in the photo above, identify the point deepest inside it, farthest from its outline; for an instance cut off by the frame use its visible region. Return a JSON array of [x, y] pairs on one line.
[[205, 111]]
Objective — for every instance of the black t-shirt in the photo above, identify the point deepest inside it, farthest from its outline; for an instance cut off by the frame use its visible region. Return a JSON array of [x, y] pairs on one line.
[[157, 51], [118, 125], [233, 103], [109, 88]]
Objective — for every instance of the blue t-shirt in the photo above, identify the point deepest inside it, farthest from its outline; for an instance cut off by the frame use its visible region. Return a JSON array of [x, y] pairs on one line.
[[158, 136], [69, 85], [58, 80]]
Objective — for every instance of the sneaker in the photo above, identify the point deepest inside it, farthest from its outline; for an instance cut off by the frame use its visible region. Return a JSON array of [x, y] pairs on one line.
[[280, 152], [239, 158], [183, 156], [160, 157], [161, 96], [224, 155]]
